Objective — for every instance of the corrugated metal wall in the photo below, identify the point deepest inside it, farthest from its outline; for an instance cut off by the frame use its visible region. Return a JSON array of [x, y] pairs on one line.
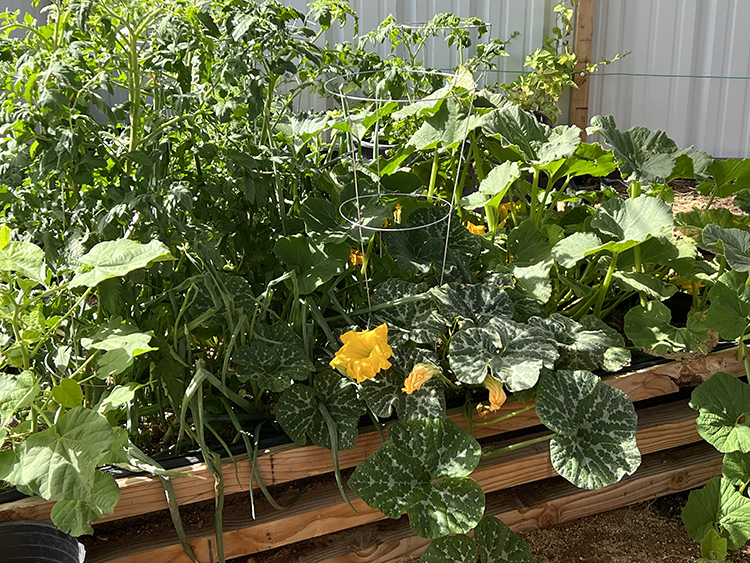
[[677, 37]]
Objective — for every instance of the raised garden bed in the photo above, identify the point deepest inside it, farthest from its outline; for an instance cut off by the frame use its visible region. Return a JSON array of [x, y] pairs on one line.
[[664, 431]]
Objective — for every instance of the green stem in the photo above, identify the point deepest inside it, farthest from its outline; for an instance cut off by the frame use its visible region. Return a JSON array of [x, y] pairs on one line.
[[490, 452], [534, 196], [605, 285], [433, 173], [59, 321], [502, 418], [639, 270]]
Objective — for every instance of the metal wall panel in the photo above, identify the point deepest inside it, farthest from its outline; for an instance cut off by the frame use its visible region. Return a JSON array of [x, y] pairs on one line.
[[677, 38]]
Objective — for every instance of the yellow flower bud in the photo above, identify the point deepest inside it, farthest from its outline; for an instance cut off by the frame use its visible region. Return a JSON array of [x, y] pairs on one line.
[[476, 229], [420, 375], [497, 396]]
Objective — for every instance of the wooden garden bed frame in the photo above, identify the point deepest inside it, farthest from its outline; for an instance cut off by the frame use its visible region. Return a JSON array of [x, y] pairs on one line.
[[321, 512]]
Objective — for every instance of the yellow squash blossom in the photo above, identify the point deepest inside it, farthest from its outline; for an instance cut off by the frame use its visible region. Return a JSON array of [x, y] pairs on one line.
[[363, 354], [356, 257], [497, 396], [476, 229], [420, 375], [503, 211]]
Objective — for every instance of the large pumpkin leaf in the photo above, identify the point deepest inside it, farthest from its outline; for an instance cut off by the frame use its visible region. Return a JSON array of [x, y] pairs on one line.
[[514, 353], [496, 542], [649, 328], [273, 358], [298, 411], [117, 258], [423, 250], [594, 424], [733, 244], [631, 221], [718, 504], [423, 470], [59, 463], [579, 348], [724, 405], [494, 187], [451, 549], [617, 356], [729, 176], [417, 320], [642, 154], [314, 264], [540, 144], [499, 544], [589, 158], [729, 305], [384, 392], [477, 302], [575, 247]]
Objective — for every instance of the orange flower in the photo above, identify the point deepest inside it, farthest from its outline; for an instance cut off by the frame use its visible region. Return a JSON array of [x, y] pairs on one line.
[[356, 257], [420, 375], [497, 396], [363, 354], [476, 229], [397, 213]]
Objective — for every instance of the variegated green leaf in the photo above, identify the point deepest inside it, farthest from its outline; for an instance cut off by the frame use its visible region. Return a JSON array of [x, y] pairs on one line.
[[476, 302], [514, 353], [273, 358], [298, 413], [499, 544], [594, 424], [579, 348], [724, 405], [451, 505], [451, 549], [384, 393], [422, 469], [422, 250], [417, 320], [616, 356]]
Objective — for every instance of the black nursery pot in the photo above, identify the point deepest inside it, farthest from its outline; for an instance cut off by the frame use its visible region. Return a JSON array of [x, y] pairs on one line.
[[38, 542]]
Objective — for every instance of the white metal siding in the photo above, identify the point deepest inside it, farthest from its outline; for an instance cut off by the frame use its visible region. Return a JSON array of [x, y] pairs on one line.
[[677, 37]]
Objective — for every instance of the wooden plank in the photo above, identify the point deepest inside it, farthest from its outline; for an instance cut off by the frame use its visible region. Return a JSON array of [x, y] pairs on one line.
[[543, 504], [321, 512], [583, 46], [282, 464]]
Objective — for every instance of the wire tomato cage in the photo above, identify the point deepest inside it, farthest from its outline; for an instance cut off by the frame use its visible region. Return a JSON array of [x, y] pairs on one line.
[[373, 102]]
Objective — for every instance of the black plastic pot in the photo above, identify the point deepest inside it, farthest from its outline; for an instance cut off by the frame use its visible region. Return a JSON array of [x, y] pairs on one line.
[[38, 542]]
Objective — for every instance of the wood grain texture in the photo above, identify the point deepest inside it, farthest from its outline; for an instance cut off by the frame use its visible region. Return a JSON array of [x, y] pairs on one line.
[[282, 464], [321, 511], [583, 42], [527, 507]]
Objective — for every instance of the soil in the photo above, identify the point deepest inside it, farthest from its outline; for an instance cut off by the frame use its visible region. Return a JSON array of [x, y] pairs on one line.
[[647, 532]]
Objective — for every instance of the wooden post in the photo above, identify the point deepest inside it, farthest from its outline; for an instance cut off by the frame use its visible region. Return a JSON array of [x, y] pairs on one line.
[[584, 37]]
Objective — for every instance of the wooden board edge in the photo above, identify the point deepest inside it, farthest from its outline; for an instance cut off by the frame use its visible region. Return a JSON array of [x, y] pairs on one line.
[[141, 495]]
